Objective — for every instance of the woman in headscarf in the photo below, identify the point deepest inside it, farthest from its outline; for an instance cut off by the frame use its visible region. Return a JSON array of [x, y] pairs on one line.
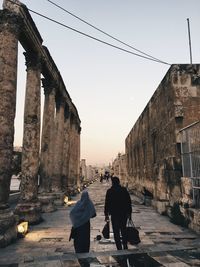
[[80, 217]]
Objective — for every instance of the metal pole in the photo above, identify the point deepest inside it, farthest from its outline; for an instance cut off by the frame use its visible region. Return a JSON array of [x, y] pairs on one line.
[[188, 22]]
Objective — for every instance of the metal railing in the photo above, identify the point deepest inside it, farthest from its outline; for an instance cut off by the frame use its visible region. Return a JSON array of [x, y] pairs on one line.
[[190, 152]]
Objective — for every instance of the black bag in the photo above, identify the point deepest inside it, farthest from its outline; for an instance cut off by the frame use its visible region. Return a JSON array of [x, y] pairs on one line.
[[72, 233], [132, 233], [106, 230]]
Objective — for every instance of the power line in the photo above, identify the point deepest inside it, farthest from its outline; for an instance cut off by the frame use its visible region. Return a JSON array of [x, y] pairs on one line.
[[96, 39], [98, 29], [91, 37]]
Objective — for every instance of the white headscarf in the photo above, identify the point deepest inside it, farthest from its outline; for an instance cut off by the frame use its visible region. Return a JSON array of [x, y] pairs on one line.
[[82, 211]]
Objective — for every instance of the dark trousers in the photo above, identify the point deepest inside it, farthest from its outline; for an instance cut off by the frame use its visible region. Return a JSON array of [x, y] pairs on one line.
[[119, 231], [82, 238]]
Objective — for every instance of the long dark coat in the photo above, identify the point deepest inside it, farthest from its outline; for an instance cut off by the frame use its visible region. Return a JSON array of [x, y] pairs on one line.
[[117, 202]]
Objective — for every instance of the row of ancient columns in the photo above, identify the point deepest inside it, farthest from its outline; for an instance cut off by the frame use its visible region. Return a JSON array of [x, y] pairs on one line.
[[9, 30], [48, 173]]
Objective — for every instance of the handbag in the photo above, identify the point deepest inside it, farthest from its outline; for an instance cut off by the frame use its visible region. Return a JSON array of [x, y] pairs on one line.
[[72, 234], [132, 233], [106, 230]]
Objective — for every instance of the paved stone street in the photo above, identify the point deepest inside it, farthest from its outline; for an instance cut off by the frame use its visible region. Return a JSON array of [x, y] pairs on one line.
[[162, 243]]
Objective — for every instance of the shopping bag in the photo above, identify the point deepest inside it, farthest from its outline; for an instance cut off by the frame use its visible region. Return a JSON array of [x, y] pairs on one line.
[[132, 233], [106, 230]]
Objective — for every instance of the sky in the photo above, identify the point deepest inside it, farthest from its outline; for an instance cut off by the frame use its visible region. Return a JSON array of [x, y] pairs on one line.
[[109, 87]]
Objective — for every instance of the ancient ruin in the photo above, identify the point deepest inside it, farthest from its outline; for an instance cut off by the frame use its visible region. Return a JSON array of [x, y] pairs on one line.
[[119, 168], [51, 171], [153, 146]]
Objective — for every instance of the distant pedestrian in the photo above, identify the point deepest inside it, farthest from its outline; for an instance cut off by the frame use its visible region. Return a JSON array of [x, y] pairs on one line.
[[118, 205], [80, 217], [101, 178], [107, 176], [147, 195]]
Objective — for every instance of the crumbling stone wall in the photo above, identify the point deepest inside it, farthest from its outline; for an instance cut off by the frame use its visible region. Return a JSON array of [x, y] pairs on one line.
[[153, 144]]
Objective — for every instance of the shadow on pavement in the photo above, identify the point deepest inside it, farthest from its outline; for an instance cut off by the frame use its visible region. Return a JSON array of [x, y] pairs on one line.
[[137, 260]]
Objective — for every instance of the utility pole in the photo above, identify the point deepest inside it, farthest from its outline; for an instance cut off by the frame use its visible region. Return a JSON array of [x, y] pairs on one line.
[[188, 23]]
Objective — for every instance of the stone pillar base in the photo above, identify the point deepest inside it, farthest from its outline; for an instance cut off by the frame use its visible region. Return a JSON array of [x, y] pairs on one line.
[[47, 202], [8, 227], [29, 212], [58, 198]]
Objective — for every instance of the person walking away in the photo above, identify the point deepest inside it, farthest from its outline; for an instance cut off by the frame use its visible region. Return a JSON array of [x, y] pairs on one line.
[[101, 178], [80, 217], [106, 175], [118, 205]]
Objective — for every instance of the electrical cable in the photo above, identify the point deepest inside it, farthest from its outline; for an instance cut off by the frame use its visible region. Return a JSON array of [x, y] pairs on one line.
[[91, 25], [96, 39], [89, 36]]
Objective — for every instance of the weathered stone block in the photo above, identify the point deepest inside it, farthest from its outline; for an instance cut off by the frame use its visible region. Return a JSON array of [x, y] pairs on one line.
[[29, 212]]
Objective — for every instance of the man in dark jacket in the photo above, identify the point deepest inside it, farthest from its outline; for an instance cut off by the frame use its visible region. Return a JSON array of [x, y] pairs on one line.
[[118, 205]]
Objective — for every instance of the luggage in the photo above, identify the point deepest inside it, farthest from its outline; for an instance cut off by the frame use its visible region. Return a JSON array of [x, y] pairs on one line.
[[132, 233]]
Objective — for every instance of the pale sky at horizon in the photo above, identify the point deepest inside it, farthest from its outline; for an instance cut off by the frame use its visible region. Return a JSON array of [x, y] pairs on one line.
[[110, 88]]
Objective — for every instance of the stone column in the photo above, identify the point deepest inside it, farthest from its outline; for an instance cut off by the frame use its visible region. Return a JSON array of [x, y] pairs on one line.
[[72, 168], [76, 163], [58, 150], [78, 134], [44, 185], [45, 196], [29, 208], [65, 167], [9, 31], [52, 109]]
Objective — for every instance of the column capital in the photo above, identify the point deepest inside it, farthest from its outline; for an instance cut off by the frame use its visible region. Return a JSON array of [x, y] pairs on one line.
[[32, 60], [66, 111], [10, 22], [72, 118], [77, 126], [60, 101], [75, 123], [49, 86], [79, 129]]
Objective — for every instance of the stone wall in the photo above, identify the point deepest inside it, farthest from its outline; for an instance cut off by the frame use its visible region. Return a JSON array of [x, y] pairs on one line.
[[153, 144]]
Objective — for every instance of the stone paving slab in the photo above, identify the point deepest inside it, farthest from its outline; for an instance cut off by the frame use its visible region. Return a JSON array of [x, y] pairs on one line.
[[162, 243]]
